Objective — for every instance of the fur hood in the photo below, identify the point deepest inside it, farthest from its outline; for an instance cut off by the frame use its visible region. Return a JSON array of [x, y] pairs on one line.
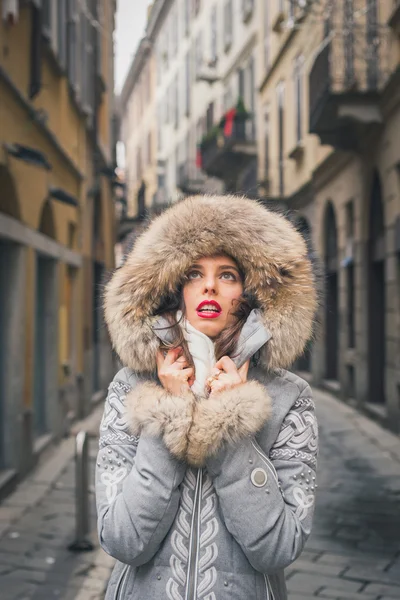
[[270, 251]]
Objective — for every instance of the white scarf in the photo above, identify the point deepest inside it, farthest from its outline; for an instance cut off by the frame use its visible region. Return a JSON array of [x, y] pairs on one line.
[[201, 348]]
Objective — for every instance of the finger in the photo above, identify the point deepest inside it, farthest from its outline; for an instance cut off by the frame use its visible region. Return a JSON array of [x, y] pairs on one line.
[[160, 359], [226, 364], [172, 355], [188, 372], [244, 369]]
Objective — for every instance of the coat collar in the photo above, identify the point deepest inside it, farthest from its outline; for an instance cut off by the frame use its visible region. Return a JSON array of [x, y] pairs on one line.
[[252, 338]]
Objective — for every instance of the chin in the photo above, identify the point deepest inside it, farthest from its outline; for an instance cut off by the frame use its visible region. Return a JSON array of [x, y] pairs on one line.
[[209, 329]]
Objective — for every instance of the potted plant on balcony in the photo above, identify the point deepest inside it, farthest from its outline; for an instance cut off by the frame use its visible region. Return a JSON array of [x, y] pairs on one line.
[[234, 120]]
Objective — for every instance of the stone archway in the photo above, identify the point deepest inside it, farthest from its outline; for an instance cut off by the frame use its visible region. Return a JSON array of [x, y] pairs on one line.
[[9, 204], [376, 295], [47, 223], [331, 295], [303, 363]]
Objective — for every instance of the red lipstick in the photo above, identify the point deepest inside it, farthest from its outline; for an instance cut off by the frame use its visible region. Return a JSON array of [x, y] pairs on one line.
[[208, 309]]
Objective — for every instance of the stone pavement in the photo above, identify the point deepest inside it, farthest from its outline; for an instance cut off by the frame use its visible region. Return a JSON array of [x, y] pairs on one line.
[[37, 524], [353, 552]]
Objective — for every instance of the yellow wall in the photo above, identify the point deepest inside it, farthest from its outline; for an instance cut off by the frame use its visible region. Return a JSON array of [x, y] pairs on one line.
[[71, 157]]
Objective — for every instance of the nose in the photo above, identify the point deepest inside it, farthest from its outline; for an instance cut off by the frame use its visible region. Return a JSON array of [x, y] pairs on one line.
[[210, 285]]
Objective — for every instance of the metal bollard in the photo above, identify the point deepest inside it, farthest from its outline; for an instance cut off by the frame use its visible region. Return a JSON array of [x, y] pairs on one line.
[[82, 520]]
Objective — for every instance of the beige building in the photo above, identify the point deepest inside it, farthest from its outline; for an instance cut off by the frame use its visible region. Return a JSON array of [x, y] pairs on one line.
[[329, 148], [56, 219]]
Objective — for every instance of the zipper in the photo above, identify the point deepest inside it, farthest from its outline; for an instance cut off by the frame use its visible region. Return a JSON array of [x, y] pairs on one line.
[[268, 587], [120, 585], [191, 581]]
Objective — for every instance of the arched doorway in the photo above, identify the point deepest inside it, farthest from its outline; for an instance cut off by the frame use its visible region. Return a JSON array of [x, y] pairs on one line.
[[12, 311], [303, 363], [331, 296], [46, 328], [98, 281], [376, 296]]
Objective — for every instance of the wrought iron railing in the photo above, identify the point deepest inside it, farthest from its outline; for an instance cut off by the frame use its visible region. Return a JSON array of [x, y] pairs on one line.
[[352, 60]]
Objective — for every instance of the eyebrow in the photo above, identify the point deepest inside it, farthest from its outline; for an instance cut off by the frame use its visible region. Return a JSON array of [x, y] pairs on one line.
[[220, 267]]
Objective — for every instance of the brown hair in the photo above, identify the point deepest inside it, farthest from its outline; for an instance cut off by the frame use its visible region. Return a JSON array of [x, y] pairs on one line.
[[225, 342]]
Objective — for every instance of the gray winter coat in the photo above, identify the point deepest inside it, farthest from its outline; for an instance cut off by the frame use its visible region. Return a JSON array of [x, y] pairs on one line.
[[208, 498]]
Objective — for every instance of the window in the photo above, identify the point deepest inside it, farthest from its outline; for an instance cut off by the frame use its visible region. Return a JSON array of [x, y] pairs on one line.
[[298, 95], [72, 42], [35, 75], [174, 32], [247, 9], [176, 102], [198, 54], [186, 16], [266, 145], [228, 24], [62, 33], [187, 84], [280, 93], [210, 116], [213, 38], [267, 37]]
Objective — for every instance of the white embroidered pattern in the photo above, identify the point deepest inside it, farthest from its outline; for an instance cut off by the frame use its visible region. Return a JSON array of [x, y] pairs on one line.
[[114, 424], [208, 547], [299, 429], [288, 453], [111, 481], [208, 550], [304, 501]]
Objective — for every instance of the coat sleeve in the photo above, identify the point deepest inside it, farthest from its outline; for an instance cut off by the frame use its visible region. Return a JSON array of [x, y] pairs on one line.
[[267, 502], [137, 482]]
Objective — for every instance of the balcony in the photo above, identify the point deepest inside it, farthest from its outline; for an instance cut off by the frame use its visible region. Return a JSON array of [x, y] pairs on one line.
[[345, 84], [228, 151], [190, 179]]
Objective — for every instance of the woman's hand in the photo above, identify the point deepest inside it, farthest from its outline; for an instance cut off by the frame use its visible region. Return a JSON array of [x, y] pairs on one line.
[[226, 375], [173, 372]]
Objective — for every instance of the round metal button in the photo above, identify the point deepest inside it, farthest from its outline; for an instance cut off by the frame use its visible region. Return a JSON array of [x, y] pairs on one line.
[[259, 477]]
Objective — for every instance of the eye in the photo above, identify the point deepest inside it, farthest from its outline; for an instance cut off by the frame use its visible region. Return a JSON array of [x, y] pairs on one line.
[[193, 275], [228, 275]]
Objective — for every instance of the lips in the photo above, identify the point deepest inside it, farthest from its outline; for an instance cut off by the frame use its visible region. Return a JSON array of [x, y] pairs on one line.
[[208, 309]]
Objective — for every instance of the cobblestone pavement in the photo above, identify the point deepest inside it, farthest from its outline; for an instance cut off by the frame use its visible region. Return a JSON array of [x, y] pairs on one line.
[[37, 524], [353, 552]]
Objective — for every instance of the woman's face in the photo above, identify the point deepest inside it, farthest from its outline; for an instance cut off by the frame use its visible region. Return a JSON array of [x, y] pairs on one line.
[[214, 283]]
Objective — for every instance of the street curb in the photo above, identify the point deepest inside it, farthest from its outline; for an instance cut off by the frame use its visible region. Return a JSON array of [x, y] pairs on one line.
[[37, 484]]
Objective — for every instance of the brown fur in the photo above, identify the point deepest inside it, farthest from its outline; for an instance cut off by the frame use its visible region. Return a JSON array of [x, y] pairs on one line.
[[272, 254], [194, 430], [226, 417], [151, 410]]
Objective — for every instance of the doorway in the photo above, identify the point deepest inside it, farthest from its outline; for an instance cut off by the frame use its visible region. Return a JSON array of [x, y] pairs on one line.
[[45, 344], [331, 291], [376, 296]]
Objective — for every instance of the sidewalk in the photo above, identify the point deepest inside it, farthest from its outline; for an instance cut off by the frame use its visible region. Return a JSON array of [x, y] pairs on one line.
[[353, 552], [37, 523]]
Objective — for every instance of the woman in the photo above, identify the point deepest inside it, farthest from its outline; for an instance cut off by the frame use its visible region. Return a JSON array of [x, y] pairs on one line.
[[207, 461]]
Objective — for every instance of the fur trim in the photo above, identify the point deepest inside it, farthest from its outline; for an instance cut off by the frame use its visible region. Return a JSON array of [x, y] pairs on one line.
[[271, 252], [226, 417], [151, 410]]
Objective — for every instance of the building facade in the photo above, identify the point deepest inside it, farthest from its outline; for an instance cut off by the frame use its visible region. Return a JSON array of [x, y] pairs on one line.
[[296, 102], [56, 219], [329, 150]]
